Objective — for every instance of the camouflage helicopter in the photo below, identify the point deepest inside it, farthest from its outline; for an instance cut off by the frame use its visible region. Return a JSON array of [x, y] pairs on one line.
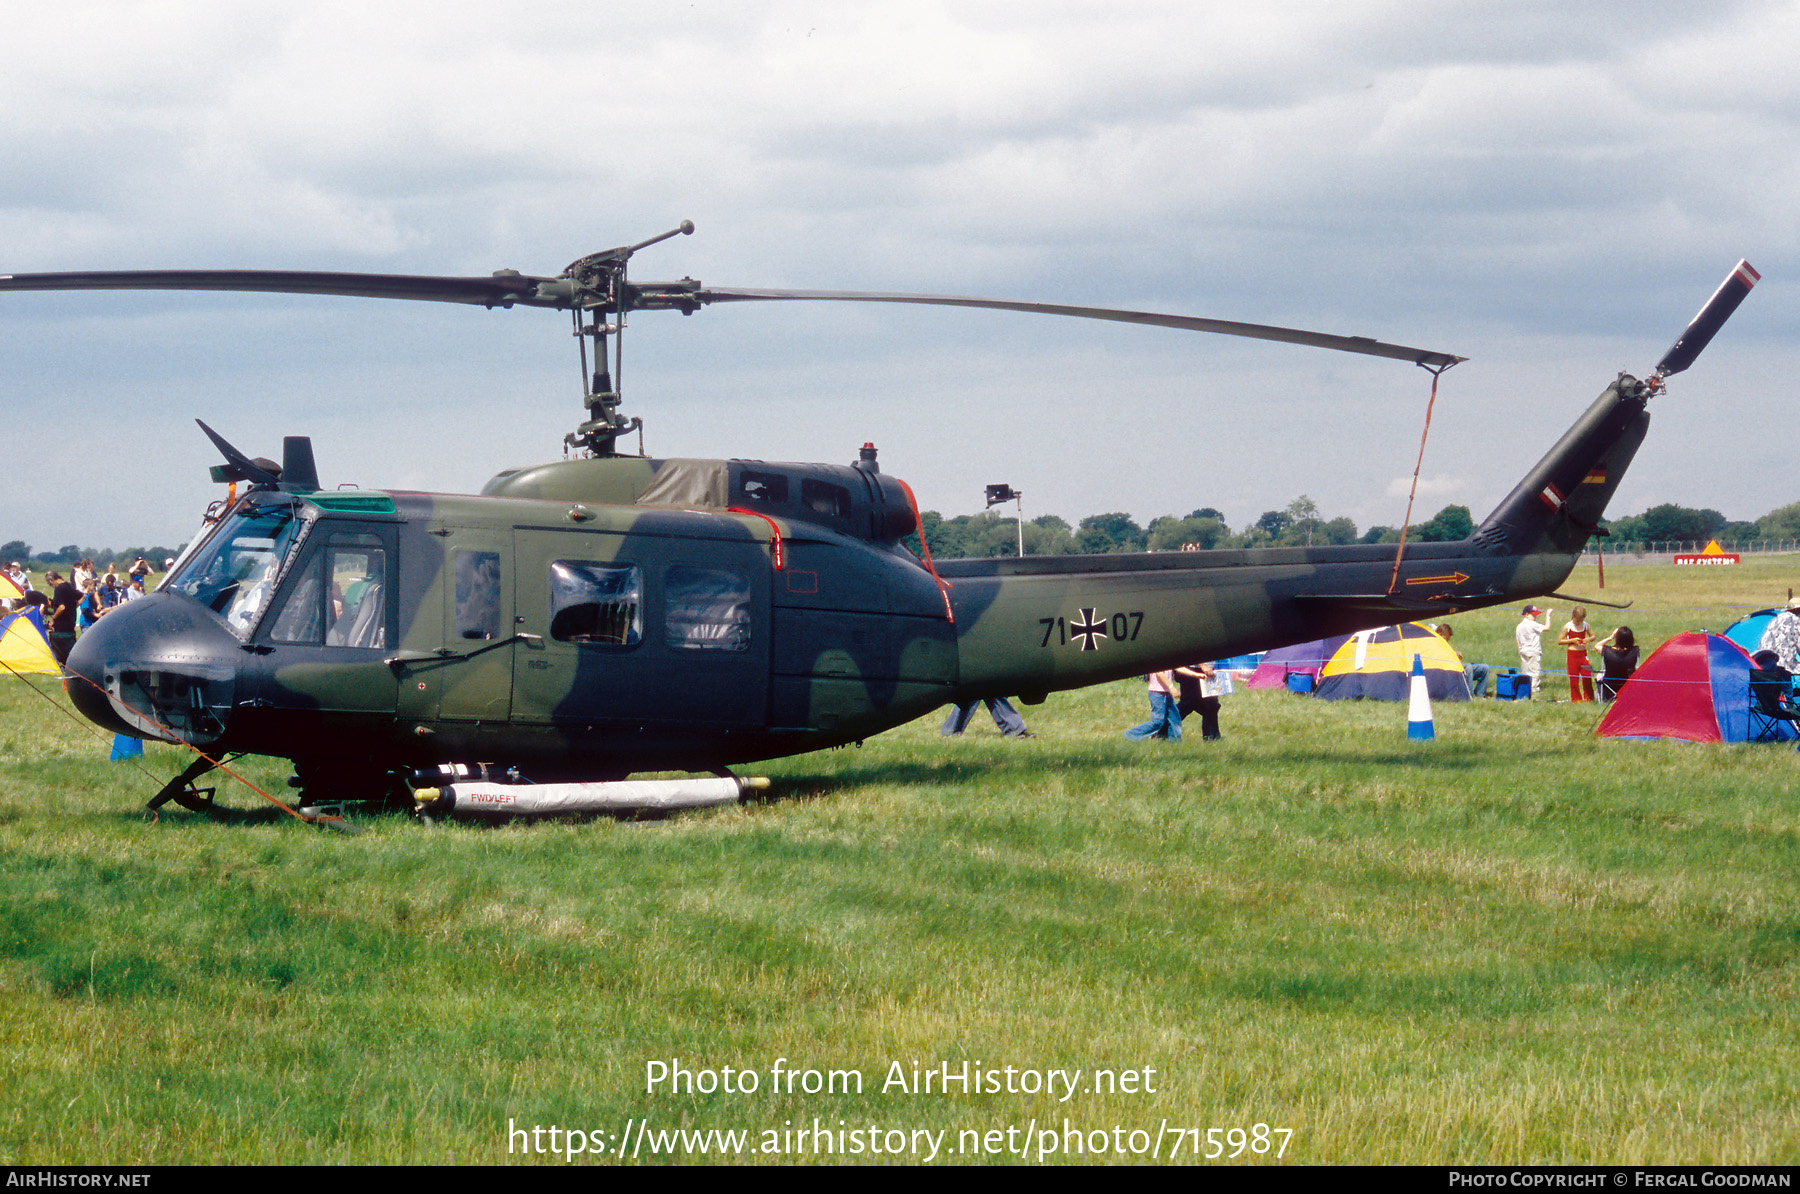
[[608, 613]]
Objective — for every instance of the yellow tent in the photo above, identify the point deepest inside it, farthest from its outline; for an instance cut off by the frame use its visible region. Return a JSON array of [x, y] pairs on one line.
[[23, 647], [1377, 664]]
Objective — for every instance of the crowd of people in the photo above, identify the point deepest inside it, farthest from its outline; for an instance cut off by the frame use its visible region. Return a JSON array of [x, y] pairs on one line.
[[1618, 653], [70, 604], [1178, 692]]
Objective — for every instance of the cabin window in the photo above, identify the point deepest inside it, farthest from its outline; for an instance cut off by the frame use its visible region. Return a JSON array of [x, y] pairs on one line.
[[822, 497], [337, 599], [706, 609], [762, 487], [477, 595], [596, 603]]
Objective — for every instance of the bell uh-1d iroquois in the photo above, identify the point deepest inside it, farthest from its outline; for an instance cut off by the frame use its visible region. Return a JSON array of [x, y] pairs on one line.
[[609, 614]]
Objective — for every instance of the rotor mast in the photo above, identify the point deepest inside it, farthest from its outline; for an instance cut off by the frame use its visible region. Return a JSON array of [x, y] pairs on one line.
[[601, 296]]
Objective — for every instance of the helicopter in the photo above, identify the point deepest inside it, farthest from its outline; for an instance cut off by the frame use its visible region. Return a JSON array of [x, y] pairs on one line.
[[608, 614]]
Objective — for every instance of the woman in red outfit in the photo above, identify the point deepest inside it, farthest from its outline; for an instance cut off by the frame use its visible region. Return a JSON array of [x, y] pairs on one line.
[[1579, 639]]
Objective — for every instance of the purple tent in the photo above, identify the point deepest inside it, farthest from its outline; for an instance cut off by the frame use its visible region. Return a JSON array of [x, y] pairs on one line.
[[1278, 664]]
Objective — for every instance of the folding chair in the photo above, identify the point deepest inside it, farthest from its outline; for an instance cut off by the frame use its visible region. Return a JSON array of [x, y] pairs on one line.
[[1771, 703]]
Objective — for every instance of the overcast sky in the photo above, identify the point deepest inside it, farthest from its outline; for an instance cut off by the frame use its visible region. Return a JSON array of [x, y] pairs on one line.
[[1551, 189]]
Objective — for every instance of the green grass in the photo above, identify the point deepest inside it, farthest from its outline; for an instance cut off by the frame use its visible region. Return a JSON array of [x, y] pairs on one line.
[[1515, 944]]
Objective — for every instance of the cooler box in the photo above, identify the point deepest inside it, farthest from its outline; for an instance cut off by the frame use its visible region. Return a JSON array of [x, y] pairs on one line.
[[1301, 682], [1512, 686]]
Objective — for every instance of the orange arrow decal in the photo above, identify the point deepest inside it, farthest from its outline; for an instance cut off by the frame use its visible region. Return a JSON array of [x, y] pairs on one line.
[[1455, 578]]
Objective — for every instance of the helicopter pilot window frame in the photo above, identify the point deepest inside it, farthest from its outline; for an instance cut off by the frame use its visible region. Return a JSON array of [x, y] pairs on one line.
[[351, 612], [596, 605], [236, 570]]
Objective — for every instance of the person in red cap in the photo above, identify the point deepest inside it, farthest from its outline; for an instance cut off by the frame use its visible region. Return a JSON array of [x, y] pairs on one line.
[[1530, 637]]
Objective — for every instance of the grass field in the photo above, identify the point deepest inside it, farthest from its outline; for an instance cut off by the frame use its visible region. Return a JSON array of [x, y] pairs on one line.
[[1514, 944]]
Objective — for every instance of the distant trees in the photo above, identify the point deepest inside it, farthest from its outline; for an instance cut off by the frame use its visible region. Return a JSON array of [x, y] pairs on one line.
[[1103, 534], [1446, 526], [1669, 521], [974, 536], [69, 553], [1303, 518], [1273, 524], [1203, 532], [1782, 523], [1048, 535], [1680, 524]]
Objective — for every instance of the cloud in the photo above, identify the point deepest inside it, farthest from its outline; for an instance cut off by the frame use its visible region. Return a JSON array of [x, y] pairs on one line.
[[1440, 485]]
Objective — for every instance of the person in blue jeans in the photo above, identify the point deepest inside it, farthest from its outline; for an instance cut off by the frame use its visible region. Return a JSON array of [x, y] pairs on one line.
[[1476, 674], [1005, 716], [1165, 712]]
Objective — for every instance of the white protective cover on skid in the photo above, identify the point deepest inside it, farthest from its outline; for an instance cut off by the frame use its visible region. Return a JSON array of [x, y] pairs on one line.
[[549, 800]]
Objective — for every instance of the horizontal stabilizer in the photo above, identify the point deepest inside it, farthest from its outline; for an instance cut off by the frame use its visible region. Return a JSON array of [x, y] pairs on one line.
[[1573, 600], [1378, 609], [1712, 317]]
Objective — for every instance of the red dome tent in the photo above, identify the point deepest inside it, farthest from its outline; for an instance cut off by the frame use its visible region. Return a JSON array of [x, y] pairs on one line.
[[1694, 687]]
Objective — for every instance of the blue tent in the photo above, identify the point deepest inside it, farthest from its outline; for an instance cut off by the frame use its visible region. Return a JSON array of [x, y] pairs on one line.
[[1747, 631]]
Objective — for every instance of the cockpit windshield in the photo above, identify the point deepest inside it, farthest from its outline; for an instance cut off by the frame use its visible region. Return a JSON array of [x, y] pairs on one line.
[[234, 573]]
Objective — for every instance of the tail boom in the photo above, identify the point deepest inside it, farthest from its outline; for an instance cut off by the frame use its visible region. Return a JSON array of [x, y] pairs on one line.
[[1043, 624]]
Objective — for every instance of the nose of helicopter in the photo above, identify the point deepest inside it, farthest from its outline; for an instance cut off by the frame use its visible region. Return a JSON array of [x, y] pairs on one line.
[[157, 667]]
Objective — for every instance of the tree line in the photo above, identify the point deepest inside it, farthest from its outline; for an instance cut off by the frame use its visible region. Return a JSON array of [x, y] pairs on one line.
[[63, 557], [1299, 524]]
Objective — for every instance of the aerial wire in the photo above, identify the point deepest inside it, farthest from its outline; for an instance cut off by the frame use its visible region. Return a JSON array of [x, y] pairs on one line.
[[1436, 372]]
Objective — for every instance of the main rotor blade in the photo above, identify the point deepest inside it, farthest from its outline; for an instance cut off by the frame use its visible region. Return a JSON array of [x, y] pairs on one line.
[[1701, 329], [506, 288], [501, 290], [1192, 323]]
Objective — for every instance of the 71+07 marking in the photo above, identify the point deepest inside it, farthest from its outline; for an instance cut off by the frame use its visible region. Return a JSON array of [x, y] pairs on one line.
[[1088, 629]]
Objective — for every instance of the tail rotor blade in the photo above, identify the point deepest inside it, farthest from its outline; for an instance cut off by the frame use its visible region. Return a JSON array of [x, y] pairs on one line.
[[1712, 317], [239, 467]]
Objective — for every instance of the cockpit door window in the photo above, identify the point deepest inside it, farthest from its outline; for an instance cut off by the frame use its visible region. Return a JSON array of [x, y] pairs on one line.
[[339, 596]]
